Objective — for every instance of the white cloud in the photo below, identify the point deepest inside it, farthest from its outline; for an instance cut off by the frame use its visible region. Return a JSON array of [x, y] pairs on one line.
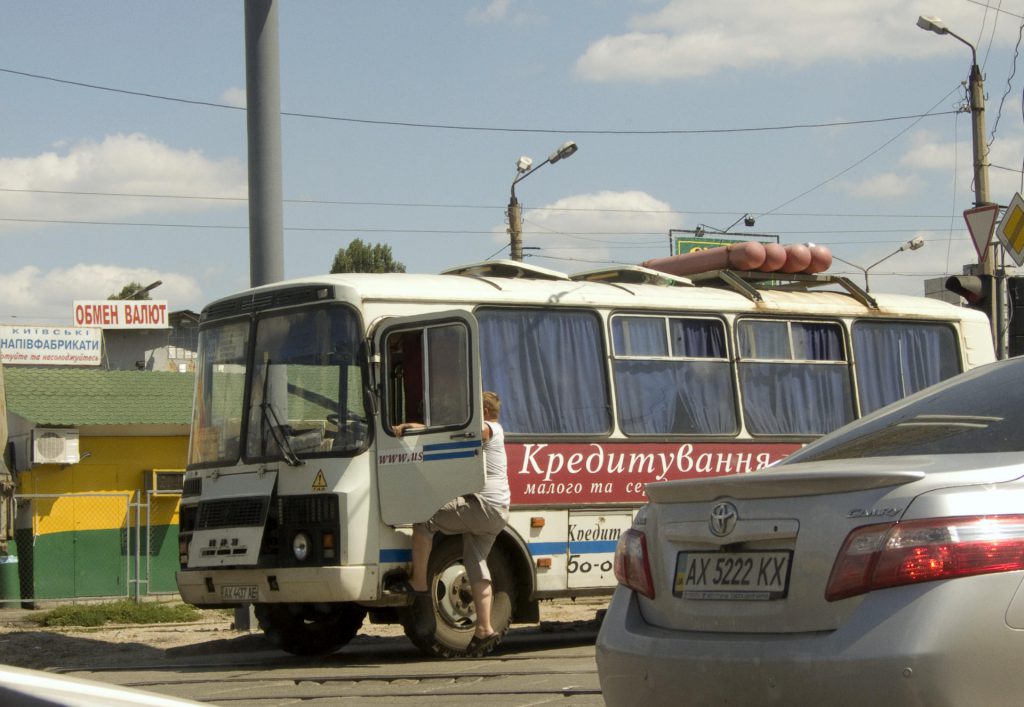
[[884, 186], [120, 164], [495, 11], [234, 96], [31, 292], [688, 38], [930, 153], [583, 231], [498, 11]]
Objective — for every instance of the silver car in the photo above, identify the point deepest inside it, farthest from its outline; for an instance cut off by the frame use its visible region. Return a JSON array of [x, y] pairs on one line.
[[881, 565]]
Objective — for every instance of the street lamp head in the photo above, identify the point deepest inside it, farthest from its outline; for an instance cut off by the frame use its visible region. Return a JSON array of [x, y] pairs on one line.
[[567, 149], [932, 24], [523, 163], [914, 244]]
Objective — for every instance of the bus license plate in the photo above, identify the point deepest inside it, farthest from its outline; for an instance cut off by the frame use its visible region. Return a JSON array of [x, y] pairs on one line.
[[732, 576], [246, 592]]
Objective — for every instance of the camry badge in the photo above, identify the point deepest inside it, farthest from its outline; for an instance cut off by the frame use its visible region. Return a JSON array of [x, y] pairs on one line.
[[723, 519]]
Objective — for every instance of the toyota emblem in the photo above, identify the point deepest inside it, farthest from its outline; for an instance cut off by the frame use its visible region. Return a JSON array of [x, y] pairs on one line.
[[723, 519]]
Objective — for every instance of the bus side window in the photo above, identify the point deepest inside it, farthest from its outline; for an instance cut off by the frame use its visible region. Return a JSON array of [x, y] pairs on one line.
[[428, 376], [794, 377], [897, 358], [685, 388], [548, 367], [405, 379]]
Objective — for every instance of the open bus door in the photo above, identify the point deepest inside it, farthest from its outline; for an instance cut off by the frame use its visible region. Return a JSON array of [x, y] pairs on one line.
[[428, 374]]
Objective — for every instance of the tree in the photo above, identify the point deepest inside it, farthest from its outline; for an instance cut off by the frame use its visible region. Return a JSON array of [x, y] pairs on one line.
[[131, 287], [360, 257]]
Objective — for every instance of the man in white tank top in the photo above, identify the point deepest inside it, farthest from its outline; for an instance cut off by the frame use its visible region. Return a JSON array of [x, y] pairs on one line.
[[478, 517]]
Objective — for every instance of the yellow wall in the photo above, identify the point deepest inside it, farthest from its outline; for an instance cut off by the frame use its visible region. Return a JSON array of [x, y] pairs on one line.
[[116, 465]]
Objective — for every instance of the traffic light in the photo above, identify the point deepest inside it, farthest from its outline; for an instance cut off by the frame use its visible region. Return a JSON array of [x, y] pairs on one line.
[[975, 289]]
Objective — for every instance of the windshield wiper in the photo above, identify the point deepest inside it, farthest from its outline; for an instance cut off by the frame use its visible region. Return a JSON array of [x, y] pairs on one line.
[[269, 419]]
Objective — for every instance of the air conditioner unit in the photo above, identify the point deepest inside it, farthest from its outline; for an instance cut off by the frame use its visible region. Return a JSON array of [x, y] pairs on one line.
[[165, 482], [55, 446]]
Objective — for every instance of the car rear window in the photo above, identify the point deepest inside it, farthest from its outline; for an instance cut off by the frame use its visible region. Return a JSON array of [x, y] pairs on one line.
[[974, 413]]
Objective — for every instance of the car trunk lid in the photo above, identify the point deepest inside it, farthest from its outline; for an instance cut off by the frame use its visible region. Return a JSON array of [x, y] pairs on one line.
[[754, 553]]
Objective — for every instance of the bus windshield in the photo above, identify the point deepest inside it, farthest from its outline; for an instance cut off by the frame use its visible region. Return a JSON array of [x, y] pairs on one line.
[[305, 388]]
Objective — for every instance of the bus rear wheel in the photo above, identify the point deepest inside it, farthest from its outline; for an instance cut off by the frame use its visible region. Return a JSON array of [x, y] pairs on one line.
[[452, 601], [310, 629]]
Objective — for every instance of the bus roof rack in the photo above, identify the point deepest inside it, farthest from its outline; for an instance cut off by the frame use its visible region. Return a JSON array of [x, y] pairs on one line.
[[746, 283], [506, 268], [632, 275]]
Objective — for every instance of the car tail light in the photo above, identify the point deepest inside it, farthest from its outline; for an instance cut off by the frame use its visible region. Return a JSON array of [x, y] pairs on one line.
[[632, 567], [895, 554]]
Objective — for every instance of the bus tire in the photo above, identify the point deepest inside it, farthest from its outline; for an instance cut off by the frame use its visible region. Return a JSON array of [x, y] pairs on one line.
[[310, 629], [454, 616]]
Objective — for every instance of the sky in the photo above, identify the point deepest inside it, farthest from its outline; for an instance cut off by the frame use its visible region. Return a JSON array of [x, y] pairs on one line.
[[123, 145]]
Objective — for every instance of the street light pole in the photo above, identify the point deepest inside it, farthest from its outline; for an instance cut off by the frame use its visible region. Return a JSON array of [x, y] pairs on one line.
[[913, 244], [515, 226], [976, 93], [515, 210]]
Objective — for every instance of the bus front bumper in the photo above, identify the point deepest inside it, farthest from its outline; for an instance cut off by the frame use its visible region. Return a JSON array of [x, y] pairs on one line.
[[231, 587]]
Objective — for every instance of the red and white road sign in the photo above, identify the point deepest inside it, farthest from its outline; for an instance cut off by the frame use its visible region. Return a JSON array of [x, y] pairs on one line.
[[981, 222]]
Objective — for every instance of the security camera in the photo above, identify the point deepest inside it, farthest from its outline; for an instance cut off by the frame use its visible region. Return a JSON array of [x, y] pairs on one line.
[[523, 163], [748, 221]]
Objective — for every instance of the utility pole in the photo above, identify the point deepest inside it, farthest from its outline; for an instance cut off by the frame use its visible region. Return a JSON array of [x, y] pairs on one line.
[[515, 227], [263, 120], [266, 195], [976, 95], [995, 279]]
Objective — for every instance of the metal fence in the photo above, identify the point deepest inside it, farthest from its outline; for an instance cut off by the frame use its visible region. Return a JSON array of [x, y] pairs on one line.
[[90, 546]]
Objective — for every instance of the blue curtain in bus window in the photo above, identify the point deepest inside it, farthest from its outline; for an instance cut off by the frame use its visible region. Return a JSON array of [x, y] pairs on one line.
[[672, 396], [895, 359], [639, 336], [793, 387], [697, 338], [548, 369]]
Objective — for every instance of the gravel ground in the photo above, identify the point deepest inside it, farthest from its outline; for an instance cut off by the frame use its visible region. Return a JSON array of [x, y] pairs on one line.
[[24, 643]]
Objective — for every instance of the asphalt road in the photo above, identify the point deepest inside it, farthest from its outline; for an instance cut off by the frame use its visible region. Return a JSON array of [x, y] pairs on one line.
[[533, 666]]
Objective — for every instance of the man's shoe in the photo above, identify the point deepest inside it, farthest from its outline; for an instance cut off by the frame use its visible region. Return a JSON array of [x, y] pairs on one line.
[[479, 647]]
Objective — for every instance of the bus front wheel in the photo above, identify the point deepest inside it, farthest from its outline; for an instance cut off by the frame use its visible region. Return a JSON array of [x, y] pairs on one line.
[[310, 629], [452, 601]]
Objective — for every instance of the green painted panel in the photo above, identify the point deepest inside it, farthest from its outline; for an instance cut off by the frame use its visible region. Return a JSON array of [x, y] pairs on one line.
[[163, 562], [10, 583], [88, 563]]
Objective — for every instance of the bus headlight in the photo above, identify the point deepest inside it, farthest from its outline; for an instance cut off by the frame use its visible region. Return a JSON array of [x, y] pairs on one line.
[[300, 546]]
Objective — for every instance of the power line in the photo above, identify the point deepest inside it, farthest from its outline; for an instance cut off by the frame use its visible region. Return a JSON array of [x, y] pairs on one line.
[[441, 231], [480, 128], [427, 205], [998, 10], [863, 159]]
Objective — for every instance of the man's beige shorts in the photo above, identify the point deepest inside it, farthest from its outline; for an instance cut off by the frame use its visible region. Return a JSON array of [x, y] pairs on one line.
[[478, 522]]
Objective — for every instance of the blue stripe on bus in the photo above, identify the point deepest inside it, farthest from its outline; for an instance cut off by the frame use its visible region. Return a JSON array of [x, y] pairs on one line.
[[428, 457], [583, 547], [469, 444], [395, 555]]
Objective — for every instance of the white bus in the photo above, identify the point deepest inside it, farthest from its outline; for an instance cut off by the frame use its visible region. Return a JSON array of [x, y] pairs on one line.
[[298, 497]]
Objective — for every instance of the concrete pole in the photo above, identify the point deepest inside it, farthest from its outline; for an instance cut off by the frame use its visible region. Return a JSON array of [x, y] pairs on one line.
[[515, 228], [263, 95], [266, 197], [996, 299]]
